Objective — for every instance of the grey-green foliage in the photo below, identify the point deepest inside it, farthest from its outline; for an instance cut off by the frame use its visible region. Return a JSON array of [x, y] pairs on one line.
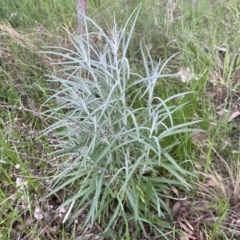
[[111, 131]]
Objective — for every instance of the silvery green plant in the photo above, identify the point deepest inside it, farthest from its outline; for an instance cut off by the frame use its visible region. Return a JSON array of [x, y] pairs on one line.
[[110, 130]]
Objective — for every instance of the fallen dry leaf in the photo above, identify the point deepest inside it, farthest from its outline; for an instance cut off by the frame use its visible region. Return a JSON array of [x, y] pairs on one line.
[[215, 78], [176, 207], [38, 213], [187, 227], [234, 114], [184, 74], [12, 32], [211, 183], [222, 112]]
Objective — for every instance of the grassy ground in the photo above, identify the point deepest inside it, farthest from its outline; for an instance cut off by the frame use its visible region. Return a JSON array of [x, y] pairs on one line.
[[201, 41]]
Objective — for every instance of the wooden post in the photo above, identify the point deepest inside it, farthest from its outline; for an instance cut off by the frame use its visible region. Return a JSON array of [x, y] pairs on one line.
[[81, 10]]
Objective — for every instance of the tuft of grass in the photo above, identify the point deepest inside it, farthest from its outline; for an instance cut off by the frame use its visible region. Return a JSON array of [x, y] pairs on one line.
[[115, 135], [204, 35]]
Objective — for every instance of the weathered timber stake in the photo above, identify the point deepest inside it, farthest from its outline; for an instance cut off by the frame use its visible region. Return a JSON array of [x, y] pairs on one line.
[[81, 11]]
